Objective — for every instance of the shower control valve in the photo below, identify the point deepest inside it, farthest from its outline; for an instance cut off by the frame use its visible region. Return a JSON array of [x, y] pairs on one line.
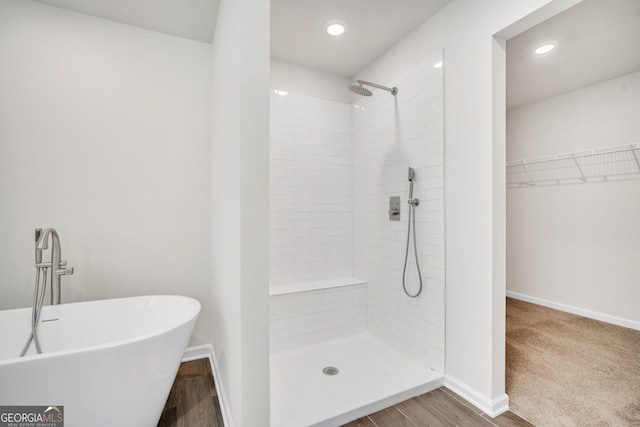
[[394, 208]]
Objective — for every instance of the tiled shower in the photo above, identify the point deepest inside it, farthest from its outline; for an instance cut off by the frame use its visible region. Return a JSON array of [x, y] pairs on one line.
[[336, 259], [311, 192]]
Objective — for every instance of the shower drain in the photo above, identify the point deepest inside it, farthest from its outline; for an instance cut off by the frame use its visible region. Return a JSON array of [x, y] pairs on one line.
[[330, 370]]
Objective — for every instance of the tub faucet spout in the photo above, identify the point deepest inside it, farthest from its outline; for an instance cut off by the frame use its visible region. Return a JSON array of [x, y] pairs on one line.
[[58, 267]]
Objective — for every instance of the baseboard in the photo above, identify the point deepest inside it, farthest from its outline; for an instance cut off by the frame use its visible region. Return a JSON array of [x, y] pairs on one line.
[[491, 407], [576, 310], [197, 352], [206, 351]]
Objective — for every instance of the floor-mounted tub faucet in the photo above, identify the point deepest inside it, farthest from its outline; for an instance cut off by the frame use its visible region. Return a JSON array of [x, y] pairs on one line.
[[58, 267]]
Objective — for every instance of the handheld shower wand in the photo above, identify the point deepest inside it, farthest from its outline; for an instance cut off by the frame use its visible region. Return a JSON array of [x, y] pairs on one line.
[[411, 224]]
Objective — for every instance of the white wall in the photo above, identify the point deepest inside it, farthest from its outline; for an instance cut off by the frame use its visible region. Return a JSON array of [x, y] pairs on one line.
[[577, 244], [474, 293], [105, 135], [307, 81], [597, 116], [391, 134], [240, 212]]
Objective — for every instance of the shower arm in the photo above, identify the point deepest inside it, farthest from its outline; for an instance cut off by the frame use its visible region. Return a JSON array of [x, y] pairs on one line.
[[393, 90]]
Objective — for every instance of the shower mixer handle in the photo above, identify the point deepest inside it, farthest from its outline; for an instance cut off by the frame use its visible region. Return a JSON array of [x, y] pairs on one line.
[[65, 271], [62, 270], [394, 208]]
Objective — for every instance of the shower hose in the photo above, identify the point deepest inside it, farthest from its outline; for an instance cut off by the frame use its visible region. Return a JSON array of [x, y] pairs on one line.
[[411, 224], [38, 301]]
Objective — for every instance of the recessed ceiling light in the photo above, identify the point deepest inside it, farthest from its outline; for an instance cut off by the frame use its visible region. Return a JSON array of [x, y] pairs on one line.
[[335, 28], [544, 48]]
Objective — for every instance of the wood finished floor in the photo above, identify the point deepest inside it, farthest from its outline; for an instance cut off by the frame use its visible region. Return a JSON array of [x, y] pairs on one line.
[[439, 408], [193, 402]]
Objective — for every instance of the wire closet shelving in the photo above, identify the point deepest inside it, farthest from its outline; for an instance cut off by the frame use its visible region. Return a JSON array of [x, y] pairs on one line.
[[599, 165]]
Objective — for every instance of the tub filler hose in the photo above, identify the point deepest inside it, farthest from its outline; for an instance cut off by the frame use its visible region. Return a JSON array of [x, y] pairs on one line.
[[411, 224], [38, 301]]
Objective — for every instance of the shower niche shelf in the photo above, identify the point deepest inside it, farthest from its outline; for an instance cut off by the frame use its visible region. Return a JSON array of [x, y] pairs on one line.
[[599, 165], [314, 286]]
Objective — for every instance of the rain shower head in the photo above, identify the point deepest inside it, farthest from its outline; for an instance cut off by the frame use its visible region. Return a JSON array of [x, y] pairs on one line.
[[359, 90], [363, 91]]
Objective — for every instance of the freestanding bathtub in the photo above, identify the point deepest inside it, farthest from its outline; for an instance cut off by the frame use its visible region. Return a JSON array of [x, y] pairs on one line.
[[108, 362]]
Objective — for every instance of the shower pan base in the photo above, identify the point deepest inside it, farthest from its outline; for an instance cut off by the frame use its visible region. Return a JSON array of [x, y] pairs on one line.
[[371, 377]]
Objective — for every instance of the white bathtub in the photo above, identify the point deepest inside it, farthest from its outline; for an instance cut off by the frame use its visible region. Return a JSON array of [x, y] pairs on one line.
[[108, 362]]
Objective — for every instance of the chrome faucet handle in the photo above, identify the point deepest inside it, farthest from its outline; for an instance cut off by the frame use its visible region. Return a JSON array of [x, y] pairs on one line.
[[62, 270]]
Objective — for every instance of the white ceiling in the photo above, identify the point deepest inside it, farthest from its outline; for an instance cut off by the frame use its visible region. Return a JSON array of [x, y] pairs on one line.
[[297, 26], [373, 26], [190, 19], [597, 40]]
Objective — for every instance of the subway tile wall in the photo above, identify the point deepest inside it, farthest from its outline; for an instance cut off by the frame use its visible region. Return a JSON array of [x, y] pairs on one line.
[[310, 189], [309, 317], [389, 135], [333, 168]]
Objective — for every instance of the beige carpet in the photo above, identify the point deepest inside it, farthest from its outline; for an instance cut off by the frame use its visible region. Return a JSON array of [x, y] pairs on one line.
[[567, 370]]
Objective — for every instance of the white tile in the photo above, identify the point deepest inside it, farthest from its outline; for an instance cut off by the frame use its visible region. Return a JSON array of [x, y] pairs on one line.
[[350, 311], [322, 335], [288, 322], [323, 315], [297, 330], [286, 343], [279, 334], [337, 322], [334, 166], [275, 314], [353, 327], [313, 327], [286, 301]]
